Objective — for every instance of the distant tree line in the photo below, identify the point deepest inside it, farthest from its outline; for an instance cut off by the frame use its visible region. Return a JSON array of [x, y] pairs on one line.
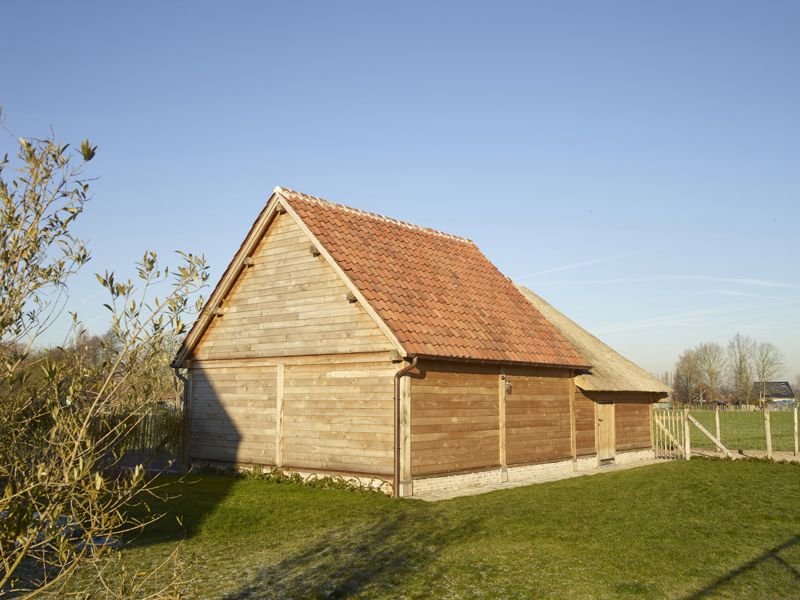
[[712, 372]]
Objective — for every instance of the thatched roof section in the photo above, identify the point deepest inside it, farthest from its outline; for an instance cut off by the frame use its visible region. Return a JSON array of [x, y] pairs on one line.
[[610, 372]]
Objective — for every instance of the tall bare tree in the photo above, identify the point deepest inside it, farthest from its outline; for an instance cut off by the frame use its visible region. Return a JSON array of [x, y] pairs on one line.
[[740, 367], [767, 362], [711, 361], [687, 380]]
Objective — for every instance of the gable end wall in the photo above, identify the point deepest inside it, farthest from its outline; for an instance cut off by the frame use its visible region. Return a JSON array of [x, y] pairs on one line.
[[292, 374], [288, 303]]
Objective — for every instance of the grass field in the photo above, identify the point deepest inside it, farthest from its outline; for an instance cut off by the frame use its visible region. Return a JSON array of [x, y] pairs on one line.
[[744, 430], [703, 528]]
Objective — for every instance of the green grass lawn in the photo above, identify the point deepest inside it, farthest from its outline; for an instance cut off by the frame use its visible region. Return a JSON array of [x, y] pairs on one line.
[[744, 430], [702, 528]]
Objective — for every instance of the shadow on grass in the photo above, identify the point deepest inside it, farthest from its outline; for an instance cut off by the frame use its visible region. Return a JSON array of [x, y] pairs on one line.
[[771, 558], [183, 503], [344, 563]]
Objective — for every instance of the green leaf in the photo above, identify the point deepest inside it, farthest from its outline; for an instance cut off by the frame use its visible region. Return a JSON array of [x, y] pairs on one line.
[[87, 150]]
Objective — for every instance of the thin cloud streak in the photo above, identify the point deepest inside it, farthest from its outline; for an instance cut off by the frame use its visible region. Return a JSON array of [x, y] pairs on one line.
[[683, 318], [577, 265], [744, 294], [662, 278]]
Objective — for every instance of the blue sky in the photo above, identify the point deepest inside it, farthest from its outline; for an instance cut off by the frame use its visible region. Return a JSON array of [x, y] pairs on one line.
[[635, 163]]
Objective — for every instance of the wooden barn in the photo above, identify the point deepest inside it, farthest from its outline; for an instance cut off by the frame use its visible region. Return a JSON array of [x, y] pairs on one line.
[[343, 342]]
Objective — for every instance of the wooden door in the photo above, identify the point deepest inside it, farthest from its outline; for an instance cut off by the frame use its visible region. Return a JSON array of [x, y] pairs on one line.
[[605, 431]]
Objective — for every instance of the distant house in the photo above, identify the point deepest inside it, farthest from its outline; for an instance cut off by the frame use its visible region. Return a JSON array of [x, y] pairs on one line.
[[774, 391], [340, 341]]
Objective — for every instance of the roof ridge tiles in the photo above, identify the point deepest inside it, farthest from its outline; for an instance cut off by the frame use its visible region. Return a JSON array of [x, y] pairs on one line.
[[358, 211]]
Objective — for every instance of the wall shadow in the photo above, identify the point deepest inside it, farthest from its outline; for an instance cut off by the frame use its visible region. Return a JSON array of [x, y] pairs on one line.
[[212, 444], [343, 563], [771, 558]]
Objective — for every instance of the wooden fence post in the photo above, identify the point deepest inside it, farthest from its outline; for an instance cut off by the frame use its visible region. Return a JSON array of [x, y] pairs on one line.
[[716, 423], [768, 431], [796, 449], [687, 434]]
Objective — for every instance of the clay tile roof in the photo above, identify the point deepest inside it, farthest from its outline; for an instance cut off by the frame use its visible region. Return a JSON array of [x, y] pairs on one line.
[[437, 292]]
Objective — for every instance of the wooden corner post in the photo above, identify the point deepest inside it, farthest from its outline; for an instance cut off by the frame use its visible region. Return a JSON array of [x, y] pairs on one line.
[[501, 399], [406, 482]]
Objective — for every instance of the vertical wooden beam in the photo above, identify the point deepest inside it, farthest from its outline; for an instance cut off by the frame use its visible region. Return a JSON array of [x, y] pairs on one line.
[[279, 391], [187, 416], [768, 430], [796, 437], [406, 483], [614, 427], [653, 431], [501, 400], [687, 434], [596, 433], [573, 440], [716, 424]]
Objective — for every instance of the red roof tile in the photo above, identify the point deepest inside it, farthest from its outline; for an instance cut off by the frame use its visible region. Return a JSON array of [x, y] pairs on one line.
[[437, 292]]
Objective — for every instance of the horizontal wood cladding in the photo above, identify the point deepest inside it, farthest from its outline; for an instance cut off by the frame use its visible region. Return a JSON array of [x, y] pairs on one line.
[[538, 416], [584, 425], [338, 417], [233, 414], [632, 424], [632, 416], [289, 303], [454, 419]]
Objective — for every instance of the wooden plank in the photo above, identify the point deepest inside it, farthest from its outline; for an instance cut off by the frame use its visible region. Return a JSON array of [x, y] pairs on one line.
[[280, 382], [606, 442], [687, 435], [501, 393], [339, 416], [707, 433], [455, 422], [539, 418], [632, 423], [269, 314], [573, 431], [585, 423], [405, 436], [233, 409]]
